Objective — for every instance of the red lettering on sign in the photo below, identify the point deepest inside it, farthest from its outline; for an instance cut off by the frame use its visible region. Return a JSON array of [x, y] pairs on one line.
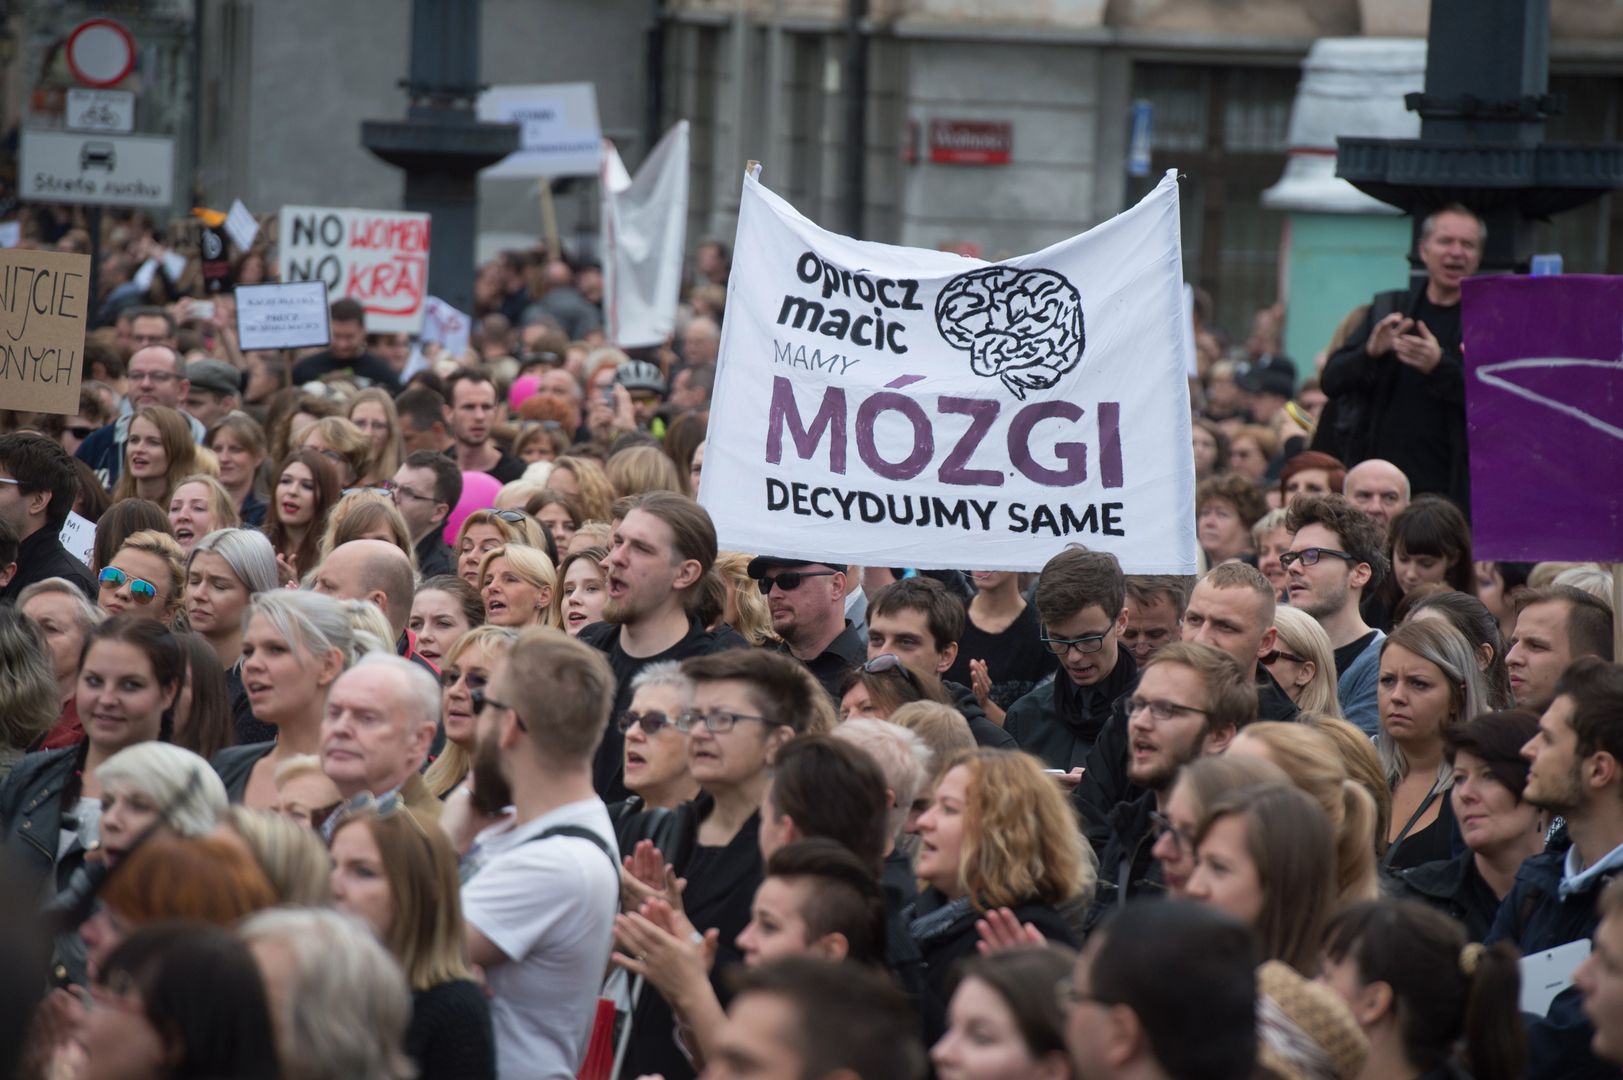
[[404, 235], [389, 288]]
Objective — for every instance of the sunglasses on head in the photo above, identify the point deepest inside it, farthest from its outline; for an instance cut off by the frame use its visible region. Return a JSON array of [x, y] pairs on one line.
[[142, 590], [512, 517], [789, 580], [890, 662]]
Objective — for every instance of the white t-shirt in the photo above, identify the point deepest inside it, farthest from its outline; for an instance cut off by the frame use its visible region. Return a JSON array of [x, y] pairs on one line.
[[549, 905]]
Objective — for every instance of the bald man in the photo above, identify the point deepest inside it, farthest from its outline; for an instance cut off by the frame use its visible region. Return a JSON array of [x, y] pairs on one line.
[[1378, 488], [379, 573]]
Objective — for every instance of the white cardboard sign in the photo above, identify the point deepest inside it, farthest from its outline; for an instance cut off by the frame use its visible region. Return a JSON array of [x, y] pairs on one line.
[[282, 316], [378, 257], [447, 326], [78, 536], [241, 226], [891, 406], [559, 130]]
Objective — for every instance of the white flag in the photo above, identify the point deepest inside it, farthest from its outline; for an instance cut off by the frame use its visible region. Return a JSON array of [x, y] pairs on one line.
[[890, 406], [644, 222]]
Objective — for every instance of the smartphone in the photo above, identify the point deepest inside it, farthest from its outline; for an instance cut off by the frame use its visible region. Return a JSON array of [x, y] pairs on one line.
[[203, 309], [608, 395]]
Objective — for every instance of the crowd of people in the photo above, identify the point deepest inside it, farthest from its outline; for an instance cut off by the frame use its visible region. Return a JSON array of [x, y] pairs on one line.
[[405, 719]]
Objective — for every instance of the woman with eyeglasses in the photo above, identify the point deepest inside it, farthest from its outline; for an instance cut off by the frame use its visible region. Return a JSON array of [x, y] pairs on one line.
[[128, 681], [399, 876], [159, 450], [467, 667], [1304, 664], [1199, 785], [373, 414], [520, 587], [198, 507], [1266, 855], [294, 646], [883, 685], [483, 531], [239, 446], [145, 577], [227, 568], [443, 609], [584, 589], [306, 489], [1429, 684], [999, 833]]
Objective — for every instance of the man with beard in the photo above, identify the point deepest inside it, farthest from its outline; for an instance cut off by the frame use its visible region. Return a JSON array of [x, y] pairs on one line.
[[659, 556], [539, 906], [807, 601], [1335, 560], [1577, 772], [1191, 700], [473, 416]]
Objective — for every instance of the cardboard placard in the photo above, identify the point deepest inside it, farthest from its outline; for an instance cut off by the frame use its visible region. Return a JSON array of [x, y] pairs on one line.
[[292, 315], [378, 257], [78, 535], [44, 300]]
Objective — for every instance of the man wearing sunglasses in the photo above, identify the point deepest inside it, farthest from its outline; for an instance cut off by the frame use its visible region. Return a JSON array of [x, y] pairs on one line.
[[38, 484], [1082, 599], [807, 600], [1335, 559]]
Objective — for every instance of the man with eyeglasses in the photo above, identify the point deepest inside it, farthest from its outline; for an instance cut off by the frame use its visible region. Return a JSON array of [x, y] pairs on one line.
[[542, 886], [425, 488], [157, 376], [1082, 599], [1335, 560], [38, 484], [1191, 700], [1163, 991], [807, 601]]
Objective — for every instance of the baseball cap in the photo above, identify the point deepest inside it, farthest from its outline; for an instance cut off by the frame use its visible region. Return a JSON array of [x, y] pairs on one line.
[[761, 564]]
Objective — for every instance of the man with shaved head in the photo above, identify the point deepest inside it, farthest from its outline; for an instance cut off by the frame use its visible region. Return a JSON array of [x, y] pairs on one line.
[[379, 573], [1378, 488]]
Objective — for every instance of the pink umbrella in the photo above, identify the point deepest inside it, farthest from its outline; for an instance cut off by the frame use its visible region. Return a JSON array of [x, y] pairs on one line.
[[478, 493], [523, 387]]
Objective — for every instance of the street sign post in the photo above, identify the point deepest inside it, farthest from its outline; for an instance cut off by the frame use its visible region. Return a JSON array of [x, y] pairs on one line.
[[97, 169]]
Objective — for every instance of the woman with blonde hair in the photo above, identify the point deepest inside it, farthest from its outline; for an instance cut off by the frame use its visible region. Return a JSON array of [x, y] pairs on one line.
[[290, 854], [1303, 662], [200, 505], [520, 587], [584, 479], [483, 531], [1430, 683], [147, 575], [1310, 759], [999, 833], [399, 876], [639, 469], [1363, 766], [373, 414], [745, 609], [467, 668], [158, 451], [1199, 786], [342, 443], [367, 515]]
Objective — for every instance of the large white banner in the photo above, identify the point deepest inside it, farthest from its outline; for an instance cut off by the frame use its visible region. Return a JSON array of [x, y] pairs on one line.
[[644, 221], [890, 406]]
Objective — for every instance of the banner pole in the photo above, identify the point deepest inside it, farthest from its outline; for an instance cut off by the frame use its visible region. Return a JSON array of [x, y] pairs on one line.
[[549, 219]]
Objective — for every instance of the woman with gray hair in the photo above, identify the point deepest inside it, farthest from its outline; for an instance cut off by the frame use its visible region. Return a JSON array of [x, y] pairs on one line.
[[226, 569], [294, 647], [151, 786], [64, 616], [1429, 685], [28, 693], [338, 999]]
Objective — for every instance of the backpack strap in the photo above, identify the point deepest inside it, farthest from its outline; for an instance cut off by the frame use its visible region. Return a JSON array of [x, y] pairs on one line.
[[580, 833]]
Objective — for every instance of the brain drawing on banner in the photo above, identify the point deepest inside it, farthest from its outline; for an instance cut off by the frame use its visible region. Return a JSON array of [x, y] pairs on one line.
[[1021, 326], [891, 406]]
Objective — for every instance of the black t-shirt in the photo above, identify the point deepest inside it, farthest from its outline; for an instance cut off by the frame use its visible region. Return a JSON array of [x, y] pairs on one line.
[[834, 663], [368, 369], [1350, 652], [1015, 659], [608, 767], [507, 468], [1412, 417]]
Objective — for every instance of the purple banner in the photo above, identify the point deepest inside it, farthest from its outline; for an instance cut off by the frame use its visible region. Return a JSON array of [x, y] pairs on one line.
[[1544, 408]]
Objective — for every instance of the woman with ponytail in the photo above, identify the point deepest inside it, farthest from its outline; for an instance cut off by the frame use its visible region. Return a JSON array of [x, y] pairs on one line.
[[1431, 1004], [1310, 759]]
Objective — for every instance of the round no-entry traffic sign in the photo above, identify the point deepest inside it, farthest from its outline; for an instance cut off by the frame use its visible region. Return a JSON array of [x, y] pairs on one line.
[[100, 53]]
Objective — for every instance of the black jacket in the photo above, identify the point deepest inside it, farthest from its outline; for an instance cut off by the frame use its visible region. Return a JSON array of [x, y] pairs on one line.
[[986, 733], [941, 951], [1453, 887], [31, 808], [1104, 781], [434, 556], [1065, 742], [42, 556], [1535, 918], [1127, 870]]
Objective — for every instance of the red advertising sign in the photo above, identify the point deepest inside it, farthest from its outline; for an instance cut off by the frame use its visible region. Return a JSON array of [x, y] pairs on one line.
[[971, 142]]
